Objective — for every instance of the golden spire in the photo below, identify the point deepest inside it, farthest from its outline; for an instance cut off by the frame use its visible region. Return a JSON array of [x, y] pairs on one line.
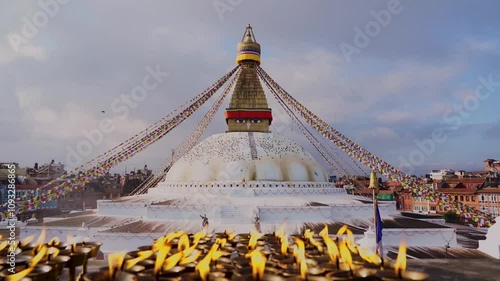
[[248, 49], [373, 180], [248, 109]]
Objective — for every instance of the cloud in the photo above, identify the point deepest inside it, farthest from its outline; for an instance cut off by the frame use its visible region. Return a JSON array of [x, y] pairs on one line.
[[493, 131], [29, 51], [394, 117], [378, 134], [90, 55], [71, 121], [482, 45]]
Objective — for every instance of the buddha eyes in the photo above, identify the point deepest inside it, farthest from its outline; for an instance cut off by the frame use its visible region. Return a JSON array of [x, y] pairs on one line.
[[255, 121]]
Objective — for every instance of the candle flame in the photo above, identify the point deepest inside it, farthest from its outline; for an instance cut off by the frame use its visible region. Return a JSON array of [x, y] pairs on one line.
[[171, 236], [222, 242], [280, 233], [308, 234], [115, 262], [258, 262], [230, 234], [324, 232], [192, 257], [284, 245], [342, 230], [20, 275], [36, 259], [160, 257], [350, 242], [160, 242], [345, 254], [333, 250], [172, 261], [370, 256], [41, 238], [27, 240], [299, 249], [140, 257], [198, 236], [13, 247], [203, 267], [254, 236], [4, 244], [53, 252], [217, 254], [54, 241], [72, 241], [400, 266], [300, 255], [183, 242], [303, 269]]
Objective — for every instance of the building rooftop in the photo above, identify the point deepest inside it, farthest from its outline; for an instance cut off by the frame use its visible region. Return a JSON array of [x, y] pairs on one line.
[[489, 190]]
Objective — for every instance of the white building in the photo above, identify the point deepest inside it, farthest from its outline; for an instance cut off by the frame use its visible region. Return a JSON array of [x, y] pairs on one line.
[[441, 174]]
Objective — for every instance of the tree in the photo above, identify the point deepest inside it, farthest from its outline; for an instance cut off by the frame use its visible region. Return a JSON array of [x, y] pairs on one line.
[[451, 217]]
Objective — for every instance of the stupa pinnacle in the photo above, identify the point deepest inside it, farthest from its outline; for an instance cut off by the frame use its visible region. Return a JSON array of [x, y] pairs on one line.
[[248, 110]]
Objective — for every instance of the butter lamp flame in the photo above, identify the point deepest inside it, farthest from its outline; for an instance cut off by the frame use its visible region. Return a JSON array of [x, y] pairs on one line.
[[258, 262], [160, 258], [54, 241], [203, 267], [400, 265], [284, 245], [41, 238], [38, 256], [27, 240], [140, 257], [20, 275], [115, 262]]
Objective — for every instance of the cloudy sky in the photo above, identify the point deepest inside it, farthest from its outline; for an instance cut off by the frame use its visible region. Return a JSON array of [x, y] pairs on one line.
[[385, 73]]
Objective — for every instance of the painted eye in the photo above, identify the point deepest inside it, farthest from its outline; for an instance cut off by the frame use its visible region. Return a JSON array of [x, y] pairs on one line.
[[240, 121], [256, 121]]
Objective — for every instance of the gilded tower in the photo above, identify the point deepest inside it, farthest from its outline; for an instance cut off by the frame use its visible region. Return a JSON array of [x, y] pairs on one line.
[[248, 109]]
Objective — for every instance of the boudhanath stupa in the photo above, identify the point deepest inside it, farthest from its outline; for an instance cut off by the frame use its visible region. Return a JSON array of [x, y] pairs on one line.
[[246, 178]]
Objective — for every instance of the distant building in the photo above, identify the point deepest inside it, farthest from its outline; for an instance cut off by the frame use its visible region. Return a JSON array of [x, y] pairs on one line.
[[109, 186], [489, 197], [47, 172], [135, 178], [460, 174], [422, 205], [492, 167], [404, 199], [489, 200], [442, 174], [461, 190], [21, 178]]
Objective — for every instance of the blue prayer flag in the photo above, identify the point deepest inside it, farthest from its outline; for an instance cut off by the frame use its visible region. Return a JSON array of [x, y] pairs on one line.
[[378, 226]]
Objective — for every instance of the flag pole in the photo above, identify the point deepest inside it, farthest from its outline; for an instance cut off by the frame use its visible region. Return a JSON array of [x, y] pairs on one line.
[[374, 187]]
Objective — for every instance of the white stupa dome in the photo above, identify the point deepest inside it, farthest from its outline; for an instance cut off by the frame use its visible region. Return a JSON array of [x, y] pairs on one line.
[[244, 156]]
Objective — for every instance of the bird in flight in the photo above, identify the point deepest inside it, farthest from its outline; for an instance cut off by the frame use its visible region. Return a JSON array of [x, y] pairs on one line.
[[103, 111]]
